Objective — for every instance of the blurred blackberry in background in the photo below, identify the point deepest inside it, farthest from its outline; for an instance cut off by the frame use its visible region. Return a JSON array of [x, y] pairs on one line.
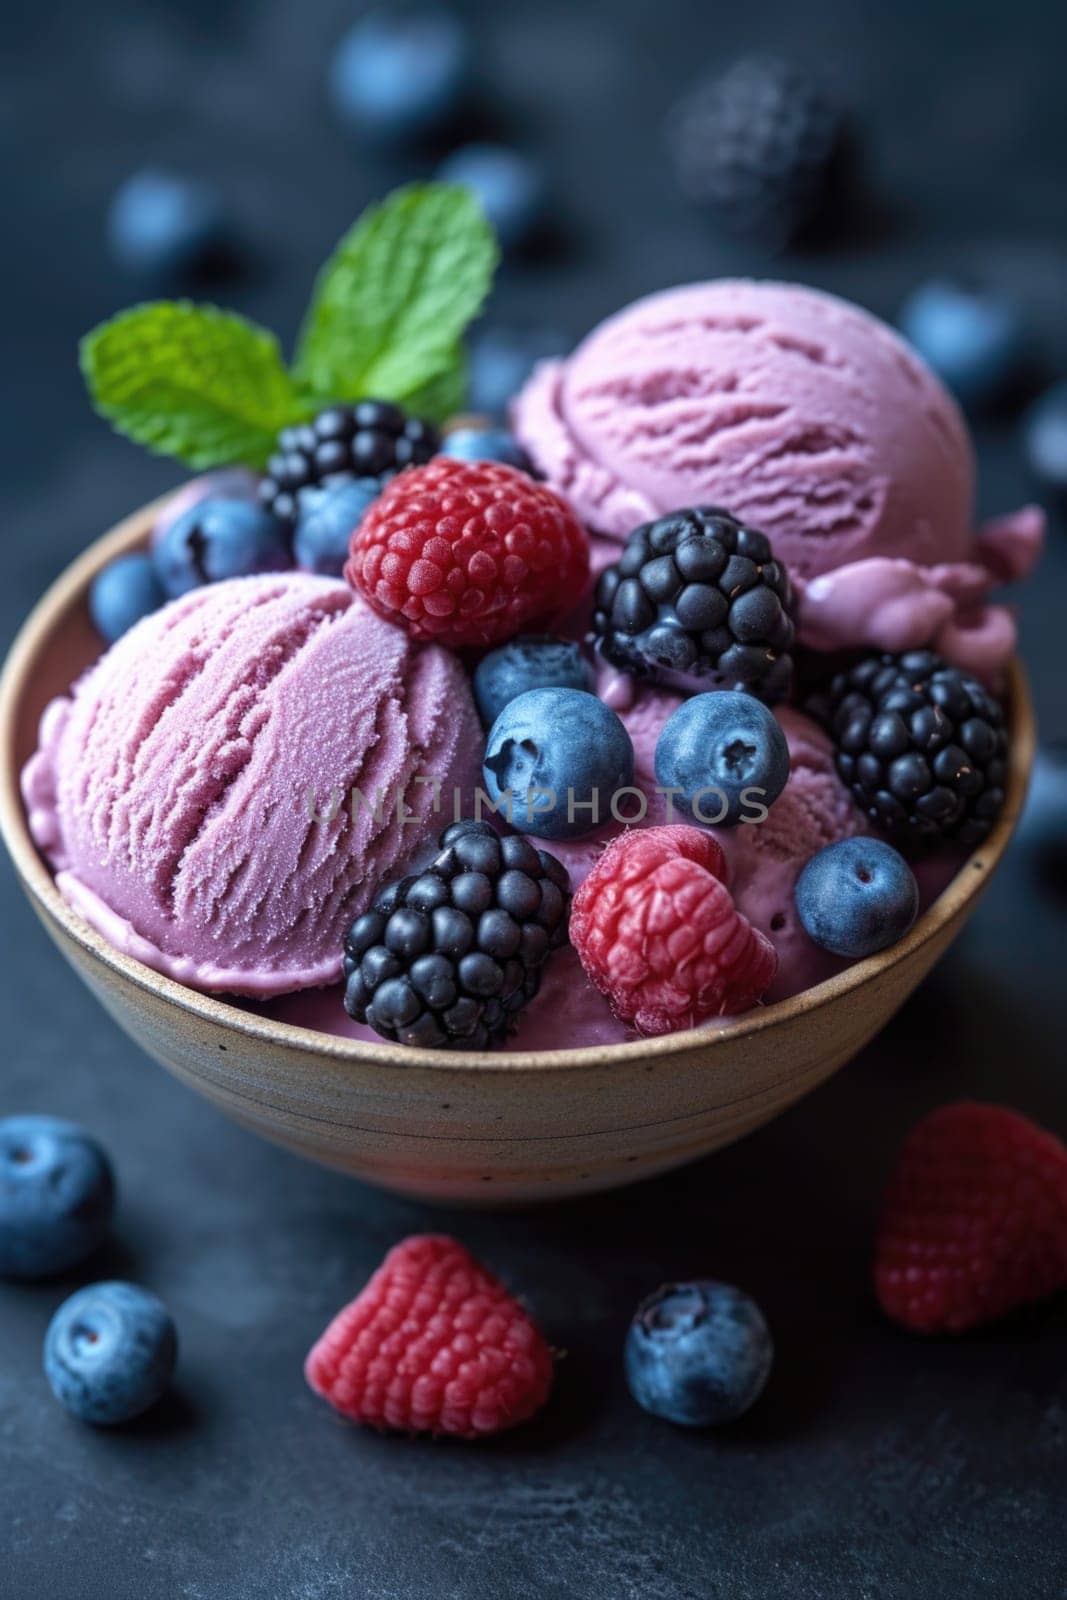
[[698, 601], [444, 958], [922, 746], [761, 146], [373, 439]]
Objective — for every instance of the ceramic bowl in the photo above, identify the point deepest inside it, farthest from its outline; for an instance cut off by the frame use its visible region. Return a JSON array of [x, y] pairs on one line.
[[457, 1127]]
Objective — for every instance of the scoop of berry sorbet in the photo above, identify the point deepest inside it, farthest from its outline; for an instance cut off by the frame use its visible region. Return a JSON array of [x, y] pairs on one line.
[[807, 418], [196, 792]]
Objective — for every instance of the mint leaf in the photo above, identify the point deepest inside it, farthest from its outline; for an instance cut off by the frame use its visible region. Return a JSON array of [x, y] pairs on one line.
[[191, 381], [444, 395], [391, 304]]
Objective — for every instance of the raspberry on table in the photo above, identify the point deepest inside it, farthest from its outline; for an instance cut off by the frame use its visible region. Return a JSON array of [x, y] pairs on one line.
[[372, 439], [468, 553], [974, 1222], [433, 1344], [657, 931]]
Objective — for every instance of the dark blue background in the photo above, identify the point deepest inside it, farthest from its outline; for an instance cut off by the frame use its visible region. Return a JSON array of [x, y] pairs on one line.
[[877, 1464]]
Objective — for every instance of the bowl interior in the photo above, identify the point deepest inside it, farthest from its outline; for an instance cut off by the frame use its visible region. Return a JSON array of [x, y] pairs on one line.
[[58, 642]]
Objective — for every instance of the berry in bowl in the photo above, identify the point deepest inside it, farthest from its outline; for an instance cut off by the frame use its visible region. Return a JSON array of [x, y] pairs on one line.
[[498, 831]]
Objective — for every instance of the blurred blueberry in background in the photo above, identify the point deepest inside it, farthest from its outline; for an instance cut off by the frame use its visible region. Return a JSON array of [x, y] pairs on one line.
[[328, 518], [401, 72], [508, 185], [485, 444], [1043, 824], [1045, 437], [501, 359], [974, 340], [126, 590], [162, 223]]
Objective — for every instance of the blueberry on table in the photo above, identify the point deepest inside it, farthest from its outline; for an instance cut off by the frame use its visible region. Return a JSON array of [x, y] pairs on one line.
[[508, 186], [123, 592], [726, 754], [401, 72], [857, 897], [328, 519], [163, 223], [220, 539], [1043, 824], [530, 661], [974, 341], [698, 1354], [57, 1196], [485, 444], [555, 759], [110, 1352]]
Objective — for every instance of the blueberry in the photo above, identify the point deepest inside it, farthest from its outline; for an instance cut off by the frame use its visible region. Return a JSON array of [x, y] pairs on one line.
[[974, 341], [727, 755], [57, 1196], [1045, 436], [566, 743], [532, 661], [328, 518], [857, 897], [401, 72], [501, 360], [162, 223], [508, 186], [485, 444], [698, 1353], [220, 539], [109, 1352], [126, 590]]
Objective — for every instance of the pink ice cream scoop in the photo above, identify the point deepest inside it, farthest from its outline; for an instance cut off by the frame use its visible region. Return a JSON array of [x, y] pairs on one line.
[[225, 790], [806, 417]]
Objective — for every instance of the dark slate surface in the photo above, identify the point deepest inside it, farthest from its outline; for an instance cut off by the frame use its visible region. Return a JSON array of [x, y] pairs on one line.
[[877, 1465]]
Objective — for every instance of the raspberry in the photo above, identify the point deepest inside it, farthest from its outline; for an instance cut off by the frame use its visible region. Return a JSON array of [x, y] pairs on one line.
[[974, 1222], [658, 932], [433, 1344], [468, 553]]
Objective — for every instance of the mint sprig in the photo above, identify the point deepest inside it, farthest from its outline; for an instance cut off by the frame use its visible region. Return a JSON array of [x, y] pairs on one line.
[[191, 381], [391, 304], [386, 321]]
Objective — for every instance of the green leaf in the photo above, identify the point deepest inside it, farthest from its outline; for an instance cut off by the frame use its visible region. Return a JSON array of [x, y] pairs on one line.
[[391, 304], [441, 397], [191, 381]]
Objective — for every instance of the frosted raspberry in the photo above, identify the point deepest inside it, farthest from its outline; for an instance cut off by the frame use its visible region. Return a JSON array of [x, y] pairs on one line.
[[468, 553], [975, 1220], [658, 932], [433, 1344]]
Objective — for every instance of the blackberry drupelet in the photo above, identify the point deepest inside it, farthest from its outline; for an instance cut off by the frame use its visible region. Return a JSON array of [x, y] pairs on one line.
[[761, 146], [922, 746], [373, 439], [444, 958], [698, 601]]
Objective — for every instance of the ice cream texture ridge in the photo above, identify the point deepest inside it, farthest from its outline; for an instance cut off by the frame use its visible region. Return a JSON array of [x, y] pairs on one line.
[[171, 790], [809, 419]]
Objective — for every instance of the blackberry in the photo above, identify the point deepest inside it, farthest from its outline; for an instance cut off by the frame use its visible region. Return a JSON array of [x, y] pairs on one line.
[[922, 746], [444, 958], [698, 601], [373, 439], [761, 146]]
